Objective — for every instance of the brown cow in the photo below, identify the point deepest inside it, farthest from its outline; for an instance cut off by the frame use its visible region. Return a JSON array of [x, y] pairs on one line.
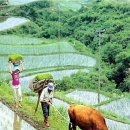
[[87, 118]]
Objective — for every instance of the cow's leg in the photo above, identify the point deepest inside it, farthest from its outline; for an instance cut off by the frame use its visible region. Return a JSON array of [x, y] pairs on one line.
[[72, 126]]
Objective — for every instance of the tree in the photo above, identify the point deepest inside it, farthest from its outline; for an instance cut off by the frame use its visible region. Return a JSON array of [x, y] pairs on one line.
[[109, 52]]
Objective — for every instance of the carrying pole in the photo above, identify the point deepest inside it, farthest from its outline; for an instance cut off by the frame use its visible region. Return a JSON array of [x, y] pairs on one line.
[[99, 60], [59, 35], [39, 93]]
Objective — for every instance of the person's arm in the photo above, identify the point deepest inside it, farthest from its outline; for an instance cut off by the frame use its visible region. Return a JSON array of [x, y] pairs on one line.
[[21, 66], [10, 67]]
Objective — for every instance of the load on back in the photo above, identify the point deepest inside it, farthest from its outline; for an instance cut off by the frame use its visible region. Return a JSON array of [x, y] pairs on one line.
[[39, 83]]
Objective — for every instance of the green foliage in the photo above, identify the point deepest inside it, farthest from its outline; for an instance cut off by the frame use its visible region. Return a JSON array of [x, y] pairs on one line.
[[29, 9], [109, 52], [86, 81], [125, 86], [123, 58], [28, 28], [44, 76]]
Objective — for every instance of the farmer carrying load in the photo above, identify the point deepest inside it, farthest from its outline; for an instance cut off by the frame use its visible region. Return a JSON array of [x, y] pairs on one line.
[[15, 67], [43, 84], [46, 100]]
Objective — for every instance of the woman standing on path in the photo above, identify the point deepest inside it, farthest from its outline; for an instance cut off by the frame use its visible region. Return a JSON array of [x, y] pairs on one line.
[[15, 69]]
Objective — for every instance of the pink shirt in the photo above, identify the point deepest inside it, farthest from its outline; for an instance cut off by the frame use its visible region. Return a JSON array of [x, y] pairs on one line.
[[15, 78]]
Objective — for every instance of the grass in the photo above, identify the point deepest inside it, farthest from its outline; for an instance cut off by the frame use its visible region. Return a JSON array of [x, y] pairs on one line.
[[56, 120]]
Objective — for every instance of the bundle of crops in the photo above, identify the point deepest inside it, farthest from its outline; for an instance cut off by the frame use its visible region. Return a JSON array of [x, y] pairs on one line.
[[40, 81], [44, 76], [15, 58]]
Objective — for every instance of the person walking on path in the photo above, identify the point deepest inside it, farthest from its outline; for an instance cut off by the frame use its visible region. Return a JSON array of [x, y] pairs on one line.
[[15, 69], [46, 98]]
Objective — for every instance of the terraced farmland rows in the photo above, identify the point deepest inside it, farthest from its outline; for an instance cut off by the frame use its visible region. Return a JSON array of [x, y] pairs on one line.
[[114, 125], [92, 97], [11, 22], [19, 2], [120, 107], [20, 40], [36, 49], [33, 62]]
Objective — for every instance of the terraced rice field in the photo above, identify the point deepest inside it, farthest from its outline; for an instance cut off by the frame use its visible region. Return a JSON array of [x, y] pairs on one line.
[[19, 40], [90, 98], [12, 22], [52, 60], [114, 125], [19, 2], [120, 107], [36, 49]]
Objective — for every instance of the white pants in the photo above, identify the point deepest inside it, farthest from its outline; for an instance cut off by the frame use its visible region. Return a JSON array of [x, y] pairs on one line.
[[17, 93]]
